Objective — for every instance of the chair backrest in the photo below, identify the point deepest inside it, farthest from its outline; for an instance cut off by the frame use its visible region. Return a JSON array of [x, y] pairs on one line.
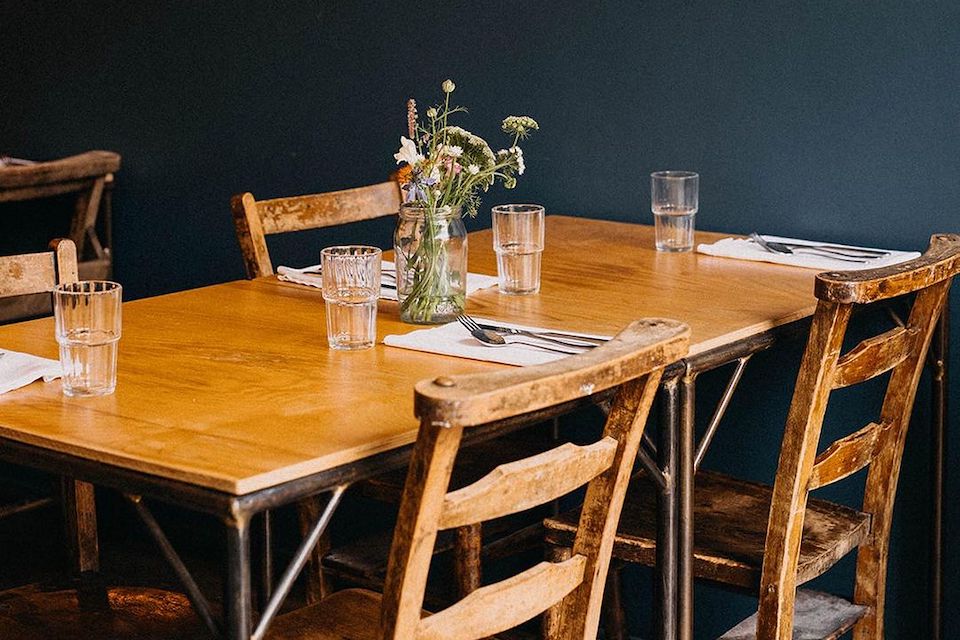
[[879, 444], [631, 363], [254, 220], [86, 174], [30, 273]]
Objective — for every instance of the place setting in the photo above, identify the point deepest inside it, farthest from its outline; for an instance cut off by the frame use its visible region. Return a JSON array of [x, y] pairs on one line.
[[675, 201], [442, 170]]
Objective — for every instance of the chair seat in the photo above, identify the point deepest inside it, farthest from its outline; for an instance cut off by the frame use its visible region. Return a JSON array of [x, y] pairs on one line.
[[352, 614], [816, 616], [116, 613], [730, 528]]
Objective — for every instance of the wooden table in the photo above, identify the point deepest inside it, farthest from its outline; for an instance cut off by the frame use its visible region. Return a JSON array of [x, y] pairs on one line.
[[229, 401]]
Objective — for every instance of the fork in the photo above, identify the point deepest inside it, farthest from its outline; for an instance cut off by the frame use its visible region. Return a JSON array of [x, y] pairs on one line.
[[777, 247], [568, 340], [493, 339]]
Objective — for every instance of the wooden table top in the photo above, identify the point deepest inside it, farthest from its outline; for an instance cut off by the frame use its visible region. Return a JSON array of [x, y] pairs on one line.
[[232, 387]]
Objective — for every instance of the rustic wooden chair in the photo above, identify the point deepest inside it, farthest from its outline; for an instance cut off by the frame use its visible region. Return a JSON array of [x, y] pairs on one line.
[[364, 562], [772, 539], [39, 273], [631, 364], [254, 219], [89, 177], [92, 609]]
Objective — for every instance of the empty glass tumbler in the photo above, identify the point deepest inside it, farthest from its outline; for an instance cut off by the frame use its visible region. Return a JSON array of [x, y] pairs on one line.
[[351, 287], [87, 319], [674, 199], [518, 231]]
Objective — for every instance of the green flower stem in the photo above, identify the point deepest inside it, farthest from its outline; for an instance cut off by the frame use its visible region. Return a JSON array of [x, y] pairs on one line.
[[431, 294]]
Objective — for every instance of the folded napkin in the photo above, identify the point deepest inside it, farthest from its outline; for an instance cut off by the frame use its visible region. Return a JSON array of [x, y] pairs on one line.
[[744, 249], [454, 340], [20, 369], [388, 291]]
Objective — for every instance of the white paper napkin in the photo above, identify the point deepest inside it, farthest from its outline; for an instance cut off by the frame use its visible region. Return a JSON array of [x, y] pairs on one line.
[[744, 249], [475, 281], [454, 340], [20, 369]]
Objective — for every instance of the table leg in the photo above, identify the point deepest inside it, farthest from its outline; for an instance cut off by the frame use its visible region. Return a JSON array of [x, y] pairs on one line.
[[266, 557], [940, 356], [237, 595], [668, 512], [685, 488]]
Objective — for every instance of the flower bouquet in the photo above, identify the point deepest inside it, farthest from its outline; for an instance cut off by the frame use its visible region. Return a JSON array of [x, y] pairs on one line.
[[443, 169]]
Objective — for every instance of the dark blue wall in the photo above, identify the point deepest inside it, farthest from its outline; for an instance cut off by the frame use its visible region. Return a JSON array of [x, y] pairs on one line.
[[831, 120]]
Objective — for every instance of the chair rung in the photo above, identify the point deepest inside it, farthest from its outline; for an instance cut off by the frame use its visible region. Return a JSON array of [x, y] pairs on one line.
[[873, 356], [526, 483], [846, 456], [503, 605]]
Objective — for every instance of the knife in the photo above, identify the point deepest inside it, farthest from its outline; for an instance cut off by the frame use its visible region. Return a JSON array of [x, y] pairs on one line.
[[545, 334]]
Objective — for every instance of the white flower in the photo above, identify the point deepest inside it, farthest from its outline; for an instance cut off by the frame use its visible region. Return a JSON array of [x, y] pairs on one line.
[[448, 86], [432, 112], [502, 153], [473, 169], [518, 153], [408, 152], [451, 150]]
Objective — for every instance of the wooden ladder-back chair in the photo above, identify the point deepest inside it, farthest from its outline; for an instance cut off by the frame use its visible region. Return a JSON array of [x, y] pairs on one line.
[[92, 609], [254, 220], [39, 273], [363, 562], [89, 176], [631, 364], [770, 540]]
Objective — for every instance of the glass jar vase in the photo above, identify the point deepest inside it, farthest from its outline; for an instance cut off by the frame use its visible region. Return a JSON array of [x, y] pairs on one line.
[[431, 259]]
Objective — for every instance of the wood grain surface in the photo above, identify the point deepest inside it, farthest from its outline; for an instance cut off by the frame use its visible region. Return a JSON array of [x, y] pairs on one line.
[[233, 387]]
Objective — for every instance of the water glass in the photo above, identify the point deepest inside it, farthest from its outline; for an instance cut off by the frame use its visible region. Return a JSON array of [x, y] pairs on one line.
[[518, 243], [674, 199], [351, 287], [87, 319]]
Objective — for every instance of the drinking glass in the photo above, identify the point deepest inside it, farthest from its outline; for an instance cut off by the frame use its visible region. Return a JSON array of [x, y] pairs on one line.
[[87, 320], [674, 199], [518, 243], [351, 286]]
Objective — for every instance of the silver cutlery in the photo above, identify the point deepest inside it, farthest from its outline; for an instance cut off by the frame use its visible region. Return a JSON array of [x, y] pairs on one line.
[[389, 273], [493, 339], [568, 339], [317, 271], [779, 247], [855, 252]]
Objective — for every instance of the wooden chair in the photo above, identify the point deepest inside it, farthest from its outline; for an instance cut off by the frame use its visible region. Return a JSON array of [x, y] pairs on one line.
[[89, 176], [255, 220], [92, 609], [631, 364], [39, 273], [772, 539], [362, 563]]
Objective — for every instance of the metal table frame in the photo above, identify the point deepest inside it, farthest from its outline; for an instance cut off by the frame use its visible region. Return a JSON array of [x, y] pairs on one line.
[[671, 463]]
